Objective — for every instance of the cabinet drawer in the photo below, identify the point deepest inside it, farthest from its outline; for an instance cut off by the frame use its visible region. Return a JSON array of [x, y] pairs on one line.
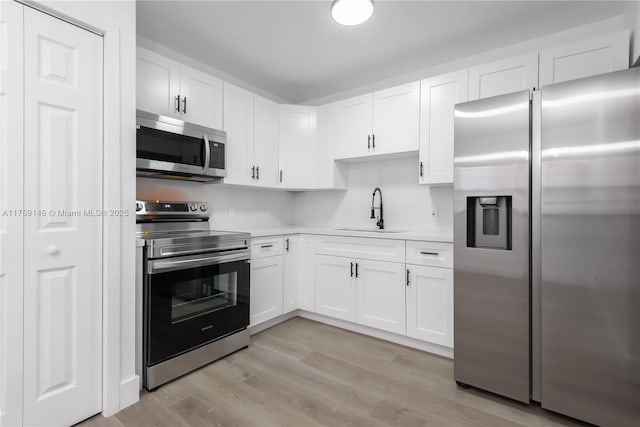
[[266, 246], [434, 254], [363, 248]]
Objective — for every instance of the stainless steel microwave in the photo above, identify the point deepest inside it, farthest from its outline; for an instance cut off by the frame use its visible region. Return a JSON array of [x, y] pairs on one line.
[[171, 148]]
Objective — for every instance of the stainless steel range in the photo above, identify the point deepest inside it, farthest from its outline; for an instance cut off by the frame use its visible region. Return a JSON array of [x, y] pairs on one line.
[[195, 289]]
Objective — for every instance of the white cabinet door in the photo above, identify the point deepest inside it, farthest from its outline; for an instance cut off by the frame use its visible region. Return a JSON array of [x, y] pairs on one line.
[[335, 287], [11, 197], [238, 123], [266, 142], [380, 295], [201, 98], [266, 289], [585, 58], [506, 76], [307, 271], [297, 146], [353, 126], [396, 119], [430, 304], [157, 84], [438, 97], [291, 272], [63, 272]]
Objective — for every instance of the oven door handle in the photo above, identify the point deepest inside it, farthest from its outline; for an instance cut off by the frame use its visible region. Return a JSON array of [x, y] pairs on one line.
[[164, 265]]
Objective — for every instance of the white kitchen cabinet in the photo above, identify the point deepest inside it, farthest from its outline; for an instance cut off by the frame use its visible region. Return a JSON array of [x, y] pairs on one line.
[[265, 142], [201, 98], [335, 287], [291, 272], [168, 88], [266, 289], [266, 247], [433, 254], [238, 123], [430, 304], [396, 119], [585, 58], [297, 145], [505, 76], [438, 97], [307, 271], [362, 247], [330, 174], [353, 124], [380, 295], [157, 84]]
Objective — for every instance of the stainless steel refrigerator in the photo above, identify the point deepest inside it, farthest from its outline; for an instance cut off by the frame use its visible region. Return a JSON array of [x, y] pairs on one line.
[[547, 247]]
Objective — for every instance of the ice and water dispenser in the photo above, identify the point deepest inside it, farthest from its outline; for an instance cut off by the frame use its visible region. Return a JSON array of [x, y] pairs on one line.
[[489, 222]]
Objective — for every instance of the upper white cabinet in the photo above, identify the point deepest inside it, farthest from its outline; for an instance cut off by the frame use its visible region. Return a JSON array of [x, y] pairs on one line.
[[438, 96], [396, 119], [157, 84], [238, 123], [586, 58], [168, 88], [336, 288], [430, 304], [265, 143], [330, 174], [506, 76], [297, 147], [383, 122], [291, 272], [353, 124]]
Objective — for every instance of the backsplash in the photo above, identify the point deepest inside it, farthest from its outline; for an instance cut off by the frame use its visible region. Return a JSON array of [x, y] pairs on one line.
[[407, 204]]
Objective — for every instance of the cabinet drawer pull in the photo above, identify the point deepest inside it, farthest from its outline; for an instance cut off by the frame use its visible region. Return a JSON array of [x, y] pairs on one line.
[[430, 253], [266, 246]]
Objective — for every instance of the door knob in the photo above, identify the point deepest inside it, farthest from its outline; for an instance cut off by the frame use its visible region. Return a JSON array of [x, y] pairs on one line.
[[53, 250]]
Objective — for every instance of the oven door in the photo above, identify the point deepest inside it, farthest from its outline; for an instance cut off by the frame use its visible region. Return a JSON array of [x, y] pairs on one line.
[[197, 301]]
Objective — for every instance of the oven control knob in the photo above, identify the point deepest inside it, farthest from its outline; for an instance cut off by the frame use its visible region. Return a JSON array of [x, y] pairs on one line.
[[193, 208], [138, 207], [203, 208]]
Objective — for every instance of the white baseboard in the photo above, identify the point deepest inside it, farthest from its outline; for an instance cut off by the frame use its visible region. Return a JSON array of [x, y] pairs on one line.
[[254, 329], [129, 391]]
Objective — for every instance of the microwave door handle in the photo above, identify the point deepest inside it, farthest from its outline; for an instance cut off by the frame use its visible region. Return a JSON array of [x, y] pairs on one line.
[[207, 154]]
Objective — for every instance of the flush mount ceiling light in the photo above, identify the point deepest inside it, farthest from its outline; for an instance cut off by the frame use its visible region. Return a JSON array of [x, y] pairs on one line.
[[351, 12]]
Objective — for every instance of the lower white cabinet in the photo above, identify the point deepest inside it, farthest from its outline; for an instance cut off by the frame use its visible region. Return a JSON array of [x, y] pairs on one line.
[[335, 287], [307, 271], [266, 289], [380, 295], [291, 268], [430, 304]]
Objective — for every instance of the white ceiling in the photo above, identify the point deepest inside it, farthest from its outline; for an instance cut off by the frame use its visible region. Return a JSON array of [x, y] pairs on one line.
[[294, 50]]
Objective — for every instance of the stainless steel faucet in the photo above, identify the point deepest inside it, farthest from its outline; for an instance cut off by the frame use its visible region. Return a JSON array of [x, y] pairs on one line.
[[380, 223]]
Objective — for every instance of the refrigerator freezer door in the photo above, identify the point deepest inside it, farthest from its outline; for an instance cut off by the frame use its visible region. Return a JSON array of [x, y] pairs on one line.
[[591, 248], [491, 293]]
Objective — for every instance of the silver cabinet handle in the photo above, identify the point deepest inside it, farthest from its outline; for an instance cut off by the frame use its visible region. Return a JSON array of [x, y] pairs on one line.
[[430, 253], [184, 105], [280, 175], [177, 103]]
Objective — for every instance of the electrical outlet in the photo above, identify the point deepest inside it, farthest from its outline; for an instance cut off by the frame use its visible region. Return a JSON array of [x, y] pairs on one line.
[[231, 212]]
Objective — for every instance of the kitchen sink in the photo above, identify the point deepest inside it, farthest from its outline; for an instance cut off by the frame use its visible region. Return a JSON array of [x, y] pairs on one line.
[[370, 230]]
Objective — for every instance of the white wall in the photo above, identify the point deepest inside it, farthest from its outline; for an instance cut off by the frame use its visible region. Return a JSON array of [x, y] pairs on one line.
[[233, 208], [407, 204]]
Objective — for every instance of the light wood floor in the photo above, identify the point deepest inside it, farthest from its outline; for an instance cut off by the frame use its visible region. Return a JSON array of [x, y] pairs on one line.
[[303, 373]]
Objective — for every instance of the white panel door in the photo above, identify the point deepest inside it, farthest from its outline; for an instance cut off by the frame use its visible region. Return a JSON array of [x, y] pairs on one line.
[[11, 226], [396, 119], [307, 271], [353, 127], [291, 272], [506, 76], [336, 287], [265, 142], [238, 123], [430, 304], [201, 98], [297, 146], [266, 289], [585, 58], [63, 178], [157, 84], [380, 295], [438, 97]]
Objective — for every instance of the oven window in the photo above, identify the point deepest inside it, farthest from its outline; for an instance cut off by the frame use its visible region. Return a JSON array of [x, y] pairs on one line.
[[201, 295], [153, 144]]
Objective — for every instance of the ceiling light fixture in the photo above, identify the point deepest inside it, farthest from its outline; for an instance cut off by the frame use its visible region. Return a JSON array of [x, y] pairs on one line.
[[351, 12]]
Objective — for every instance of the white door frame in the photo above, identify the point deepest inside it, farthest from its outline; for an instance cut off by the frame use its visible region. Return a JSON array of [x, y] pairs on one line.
[[117, 392]]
